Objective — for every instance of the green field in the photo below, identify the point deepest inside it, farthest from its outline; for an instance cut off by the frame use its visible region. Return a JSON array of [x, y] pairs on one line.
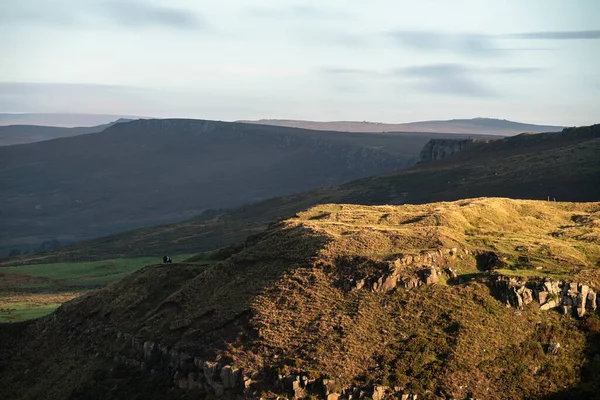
[[32, 291]]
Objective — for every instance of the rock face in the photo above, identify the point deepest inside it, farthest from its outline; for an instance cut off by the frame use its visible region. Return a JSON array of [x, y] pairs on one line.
[[573, 298], [436, 149]]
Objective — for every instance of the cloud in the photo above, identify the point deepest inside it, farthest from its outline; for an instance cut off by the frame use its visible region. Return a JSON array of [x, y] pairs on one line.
[[557, 35], [432, 41], [125, 14], [342, 71], [453, 79], [478, 45], [297, 12], [138, 14]]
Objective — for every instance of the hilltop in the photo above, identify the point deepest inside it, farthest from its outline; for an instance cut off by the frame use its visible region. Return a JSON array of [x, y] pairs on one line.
[[383, 301], [487, 126], [63, 120], [148, 172], [21, 134], [562, 166]]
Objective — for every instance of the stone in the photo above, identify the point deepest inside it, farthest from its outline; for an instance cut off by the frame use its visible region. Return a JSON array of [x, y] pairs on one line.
[[451, 273], [333, 396], [389, 283], [360, 284], [410, 283], [174, 358], [218, 389], [580, 304], [378, 393], [210, 371], [553, 348], [429, 276], [590, 303], [548, 305], [566, 310], [227, 377], [148, 349], [542, 297]]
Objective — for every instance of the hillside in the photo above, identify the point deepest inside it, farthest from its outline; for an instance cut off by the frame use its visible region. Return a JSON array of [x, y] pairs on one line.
[[487, 126], [148, 172], [21, 134], [564, 166], [373, 302]]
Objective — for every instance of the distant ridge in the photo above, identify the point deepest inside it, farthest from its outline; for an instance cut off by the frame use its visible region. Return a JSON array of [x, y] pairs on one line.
[[488, 126], [22, 134], [65, 120]]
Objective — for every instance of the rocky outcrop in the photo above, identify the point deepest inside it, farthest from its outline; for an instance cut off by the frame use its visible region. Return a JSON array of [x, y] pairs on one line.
[[408, 271], [571, 298], [218, 380], [436, 149]]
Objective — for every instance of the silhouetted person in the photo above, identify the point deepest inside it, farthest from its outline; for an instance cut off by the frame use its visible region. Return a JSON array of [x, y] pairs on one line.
[[166, 260]]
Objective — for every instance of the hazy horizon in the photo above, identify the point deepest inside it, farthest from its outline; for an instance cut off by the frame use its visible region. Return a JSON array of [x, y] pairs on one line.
[[389, 61]]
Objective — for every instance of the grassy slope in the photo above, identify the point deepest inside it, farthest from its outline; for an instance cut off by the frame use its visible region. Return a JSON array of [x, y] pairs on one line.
[[280, 305], [564, 166]]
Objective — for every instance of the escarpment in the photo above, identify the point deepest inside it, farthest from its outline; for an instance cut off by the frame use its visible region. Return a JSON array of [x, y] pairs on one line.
[[346, 302]]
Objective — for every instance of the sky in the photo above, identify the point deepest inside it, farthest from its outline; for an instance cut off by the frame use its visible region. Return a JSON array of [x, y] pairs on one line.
[[532, 61]]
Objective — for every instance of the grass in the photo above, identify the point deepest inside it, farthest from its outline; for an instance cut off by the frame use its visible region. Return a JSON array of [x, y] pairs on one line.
[[32, 291]]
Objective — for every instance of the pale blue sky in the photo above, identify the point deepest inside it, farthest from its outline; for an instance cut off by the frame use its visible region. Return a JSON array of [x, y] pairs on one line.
[[390, 61]]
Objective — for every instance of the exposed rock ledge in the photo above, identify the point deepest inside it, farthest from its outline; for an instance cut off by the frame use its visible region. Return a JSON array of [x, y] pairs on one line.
[[572, 298]]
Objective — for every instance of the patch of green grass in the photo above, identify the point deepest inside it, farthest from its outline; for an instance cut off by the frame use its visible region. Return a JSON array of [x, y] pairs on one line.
[[21, 299], [76, 270], [16, 312]]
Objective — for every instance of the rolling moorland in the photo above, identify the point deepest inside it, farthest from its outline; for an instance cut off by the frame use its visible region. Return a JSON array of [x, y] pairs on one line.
[[148, 172], [369, 302], [466, 126], [564, 166]]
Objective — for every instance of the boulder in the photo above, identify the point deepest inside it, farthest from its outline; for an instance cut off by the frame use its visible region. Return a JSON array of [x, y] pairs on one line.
[[542, 297], [389, 283], [553, 348], [451, 273], [148, 349], [580, 304], [333, 396], [547, 306], [429, 276], [590, 303], [210, 371], [378, 393]]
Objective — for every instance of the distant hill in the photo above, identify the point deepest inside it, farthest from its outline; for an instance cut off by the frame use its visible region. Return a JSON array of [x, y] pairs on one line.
[[65, 120], [563, 165], [148, 172], [484, 126], [20, 134]]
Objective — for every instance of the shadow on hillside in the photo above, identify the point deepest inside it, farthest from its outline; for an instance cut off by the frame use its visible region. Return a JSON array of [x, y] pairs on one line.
[[589, 385]]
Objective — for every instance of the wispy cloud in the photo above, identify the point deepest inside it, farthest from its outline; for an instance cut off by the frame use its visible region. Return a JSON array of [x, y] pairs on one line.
[[478, 45], [432, 41], [557, 35], [124, 14], [139, 14], [297, 12], [342, 71], [453, 79]]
